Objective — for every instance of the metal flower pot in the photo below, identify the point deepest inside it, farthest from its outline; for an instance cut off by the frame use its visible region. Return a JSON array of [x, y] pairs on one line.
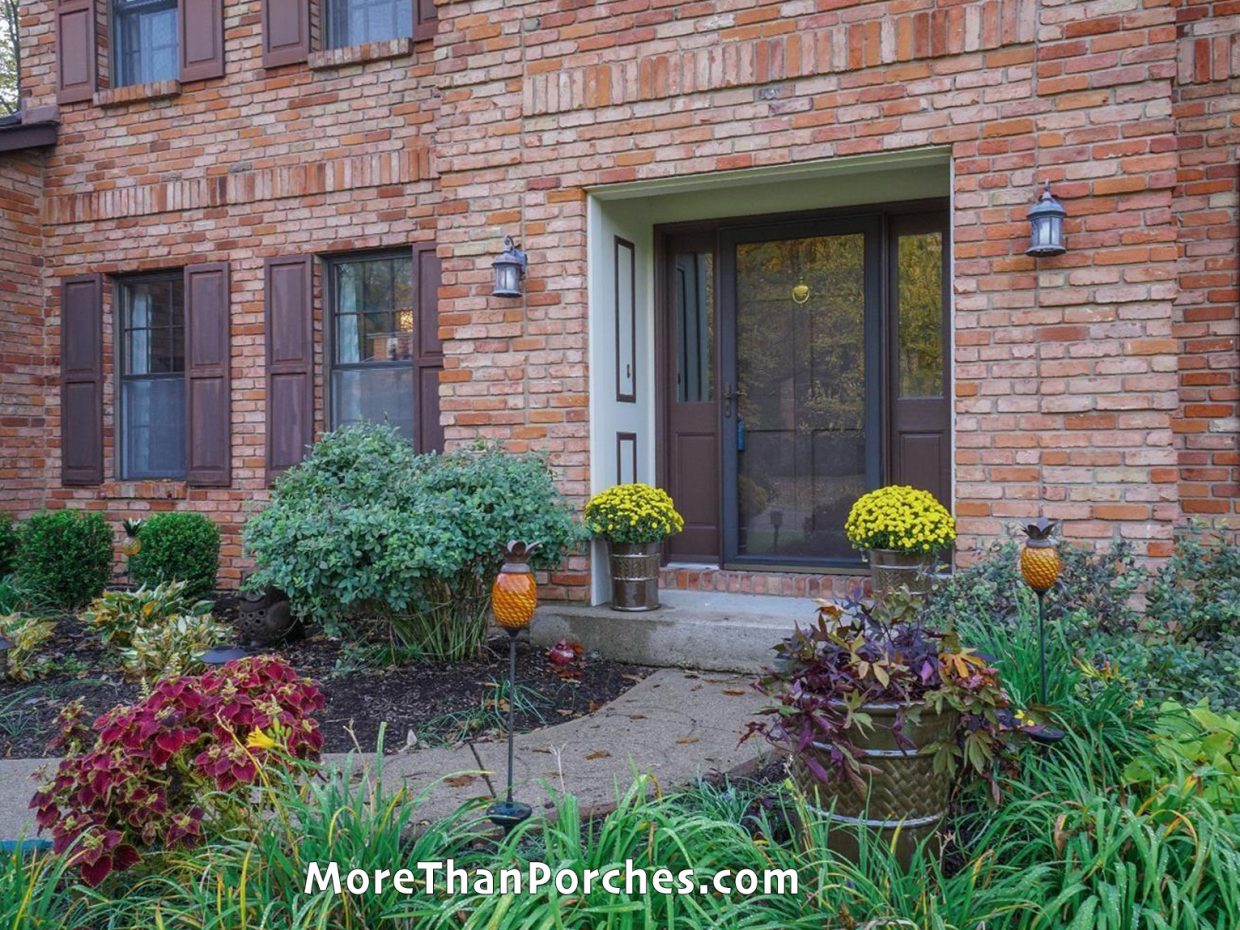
[[905, 795], [890, 569], [634, 576]]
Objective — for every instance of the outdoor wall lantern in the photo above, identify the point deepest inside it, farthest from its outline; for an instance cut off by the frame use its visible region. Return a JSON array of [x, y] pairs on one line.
[[1046, 226], [509, 270]]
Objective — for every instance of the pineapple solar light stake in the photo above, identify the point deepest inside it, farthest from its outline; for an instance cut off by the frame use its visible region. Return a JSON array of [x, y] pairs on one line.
[[513, 599], [1040, 567]]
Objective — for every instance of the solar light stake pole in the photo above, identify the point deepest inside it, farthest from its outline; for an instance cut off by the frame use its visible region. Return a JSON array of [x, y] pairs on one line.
[[512, 701], [1042, 644]]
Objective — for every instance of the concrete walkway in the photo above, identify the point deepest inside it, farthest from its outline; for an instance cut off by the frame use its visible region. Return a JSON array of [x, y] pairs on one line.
[[675, 724]]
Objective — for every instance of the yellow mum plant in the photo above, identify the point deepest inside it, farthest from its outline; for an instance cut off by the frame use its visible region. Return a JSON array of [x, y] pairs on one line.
[[633, 513], [900, 518]]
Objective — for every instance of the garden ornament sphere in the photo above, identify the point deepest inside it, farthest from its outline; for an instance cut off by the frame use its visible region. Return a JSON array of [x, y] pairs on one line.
[[1040, 565], [514, 595]]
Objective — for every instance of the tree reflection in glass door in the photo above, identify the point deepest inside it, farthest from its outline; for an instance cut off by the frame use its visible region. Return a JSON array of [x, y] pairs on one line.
[[800, 394]]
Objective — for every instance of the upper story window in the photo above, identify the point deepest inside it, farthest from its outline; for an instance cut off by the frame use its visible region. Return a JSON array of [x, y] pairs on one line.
[[373, 319], [145, 41], [355, 22], [151, 342]]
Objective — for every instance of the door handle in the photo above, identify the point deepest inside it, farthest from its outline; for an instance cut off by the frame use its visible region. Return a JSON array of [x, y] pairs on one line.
[[731, 396]]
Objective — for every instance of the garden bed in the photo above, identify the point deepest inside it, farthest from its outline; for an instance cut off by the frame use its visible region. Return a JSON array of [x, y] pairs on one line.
[[438, 703]]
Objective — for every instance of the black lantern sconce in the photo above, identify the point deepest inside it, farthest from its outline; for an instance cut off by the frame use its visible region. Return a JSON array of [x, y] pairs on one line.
[[509, 270], [1046, 226]]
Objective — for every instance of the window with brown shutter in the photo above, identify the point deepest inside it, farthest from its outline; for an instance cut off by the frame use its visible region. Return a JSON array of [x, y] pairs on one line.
[[75, 50], [290, 360], [201, 39], [286, 32], [428, 355], [208, 395], [81, 380]]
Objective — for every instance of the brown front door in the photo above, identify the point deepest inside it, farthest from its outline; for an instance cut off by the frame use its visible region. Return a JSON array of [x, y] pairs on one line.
[[690, 372]]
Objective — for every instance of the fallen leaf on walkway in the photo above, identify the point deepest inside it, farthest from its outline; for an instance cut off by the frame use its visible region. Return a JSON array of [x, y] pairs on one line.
[[458, 781], [686, 740], [636, 716], [632, 677], [735, 692], [598, 754]]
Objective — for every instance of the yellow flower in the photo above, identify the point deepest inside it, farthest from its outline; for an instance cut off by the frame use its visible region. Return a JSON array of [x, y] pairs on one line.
[[259, 740]]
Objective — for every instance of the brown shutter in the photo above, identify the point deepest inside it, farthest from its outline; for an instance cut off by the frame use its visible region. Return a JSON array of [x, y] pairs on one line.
[[81, 380], [290, 361], [428, 362], [921, 426], [286, 32], [425, 19], [207, 395], [202, 39], [75, 50]]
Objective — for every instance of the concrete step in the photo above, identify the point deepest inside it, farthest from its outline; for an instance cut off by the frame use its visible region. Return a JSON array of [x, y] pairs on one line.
[[691, 629]]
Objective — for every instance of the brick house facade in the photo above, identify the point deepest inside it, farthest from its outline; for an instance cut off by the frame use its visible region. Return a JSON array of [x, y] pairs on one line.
[[1099, 387]]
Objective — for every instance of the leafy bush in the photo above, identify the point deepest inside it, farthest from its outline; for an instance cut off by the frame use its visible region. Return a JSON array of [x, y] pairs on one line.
[[366, 530], [8, 542], [1195, 751], [1096, 584], [26, 634], [172, 647], [115, 615], [1197, 593], [177, 546], [160, 772], [64, 557], [1166, 670]]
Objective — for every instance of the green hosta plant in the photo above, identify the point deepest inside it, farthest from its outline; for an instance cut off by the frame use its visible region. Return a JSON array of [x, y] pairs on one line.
[[27, 634], [171, 647], [115, 615], [1194, 751], [371, 539]]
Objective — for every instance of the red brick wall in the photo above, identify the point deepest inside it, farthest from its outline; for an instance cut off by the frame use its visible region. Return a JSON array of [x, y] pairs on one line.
[[1207, 114], [24, 383], [1069, 376]]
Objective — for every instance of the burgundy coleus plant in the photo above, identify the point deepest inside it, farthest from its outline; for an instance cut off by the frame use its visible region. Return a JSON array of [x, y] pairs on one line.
[[157, 769]]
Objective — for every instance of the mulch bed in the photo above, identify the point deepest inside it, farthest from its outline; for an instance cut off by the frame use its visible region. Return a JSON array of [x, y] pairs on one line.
[[420, 704]]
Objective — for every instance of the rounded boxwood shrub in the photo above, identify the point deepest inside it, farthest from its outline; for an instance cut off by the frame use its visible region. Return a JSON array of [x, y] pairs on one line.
[[177, 546], [64, 557], [371, 539]]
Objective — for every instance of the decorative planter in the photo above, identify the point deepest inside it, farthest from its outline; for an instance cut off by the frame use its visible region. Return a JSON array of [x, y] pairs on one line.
[[634, 576], [890, 569], [905, 794], [264, 618]]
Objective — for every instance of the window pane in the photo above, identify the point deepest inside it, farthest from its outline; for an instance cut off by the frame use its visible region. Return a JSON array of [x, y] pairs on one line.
[[694, 280], [153, 428], [354, 22], [920, 314], [153, 319], [377, 395], [146, 40]]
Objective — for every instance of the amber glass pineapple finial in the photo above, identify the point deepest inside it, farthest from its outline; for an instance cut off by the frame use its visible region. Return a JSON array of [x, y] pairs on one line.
[[514, 594], [1039, 562]]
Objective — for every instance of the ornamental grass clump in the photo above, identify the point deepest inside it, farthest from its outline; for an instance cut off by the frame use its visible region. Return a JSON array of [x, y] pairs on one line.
[[631, 514], [161, 773], [900, 519]]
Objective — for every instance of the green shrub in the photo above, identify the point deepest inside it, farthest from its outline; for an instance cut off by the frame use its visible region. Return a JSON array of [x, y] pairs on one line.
[[179, 546], [115, 615], [1162, 669], [8, 542], [366, 530], [1197, 593], [64, 557]]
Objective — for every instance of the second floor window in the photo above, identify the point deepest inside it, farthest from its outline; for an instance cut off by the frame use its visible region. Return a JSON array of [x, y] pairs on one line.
[[144, 35], [354, 22], [152, 376], [373, 332]]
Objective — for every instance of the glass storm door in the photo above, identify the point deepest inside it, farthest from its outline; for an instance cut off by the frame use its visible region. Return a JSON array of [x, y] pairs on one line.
[[800, 408]]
